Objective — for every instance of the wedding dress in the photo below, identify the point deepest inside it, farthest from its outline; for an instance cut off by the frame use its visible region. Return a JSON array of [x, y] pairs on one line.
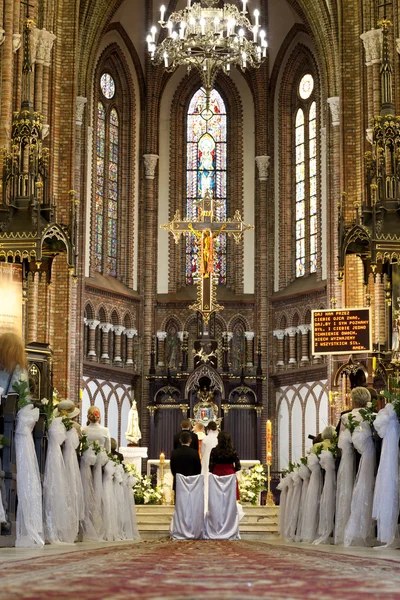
[[359, 525], [109, 509], [101, 460], [305, 474], [74, 482], [92, 515], [327, 504], [288, 507], [311, 509], [345, 484], [29, 509], [56, 500], [291, 524], [119, 501], [283, 487], [386, 497]]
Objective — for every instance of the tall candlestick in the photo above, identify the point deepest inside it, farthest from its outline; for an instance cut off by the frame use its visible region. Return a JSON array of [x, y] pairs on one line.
[[162, 457], [374, 364], [80, 394]]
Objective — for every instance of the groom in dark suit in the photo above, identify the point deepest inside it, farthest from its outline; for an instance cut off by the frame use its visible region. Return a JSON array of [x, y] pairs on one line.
[[184, 459], [185, 425]]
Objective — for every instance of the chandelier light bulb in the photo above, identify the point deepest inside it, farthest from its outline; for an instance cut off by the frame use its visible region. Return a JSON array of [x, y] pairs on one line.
[[166, 60], [153, 33], [256, 16], [162, 12], [203, 26], [170, 26], [244, 56], [262, 34], [188, 3], [216, 24], [255, 31], [244, 6]]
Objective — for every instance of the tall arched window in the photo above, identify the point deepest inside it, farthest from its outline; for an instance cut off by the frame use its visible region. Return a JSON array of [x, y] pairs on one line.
[[107, 179], [305, 142], [206, 170]]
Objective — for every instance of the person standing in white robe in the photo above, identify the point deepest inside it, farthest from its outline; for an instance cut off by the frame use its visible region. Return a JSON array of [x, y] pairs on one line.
[[95, 432], [209, 442]]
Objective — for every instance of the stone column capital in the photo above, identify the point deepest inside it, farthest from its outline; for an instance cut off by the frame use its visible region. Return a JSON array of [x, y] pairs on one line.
[[182, 335], [106, 327], [334, 105], [262, 163], [118, 329], [304, 329], [92, 323], [44, 47], [16, 41], [249, 335], [130, 333], [80, 107], [372, 41], [291, 331], [279, 333], [161, 335], [150, 163]]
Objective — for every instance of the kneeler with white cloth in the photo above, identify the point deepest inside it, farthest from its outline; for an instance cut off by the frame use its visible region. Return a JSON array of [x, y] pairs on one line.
[[188, 520], [222, 519]]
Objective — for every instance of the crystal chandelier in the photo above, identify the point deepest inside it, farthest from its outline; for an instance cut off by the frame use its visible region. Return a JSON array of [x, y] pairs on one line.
[[209, 39]]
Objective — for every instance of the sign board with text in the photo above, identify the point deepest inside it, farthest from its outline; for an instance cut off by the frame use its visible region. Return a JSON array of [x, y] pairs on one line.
[[10, 298], [341, 331]]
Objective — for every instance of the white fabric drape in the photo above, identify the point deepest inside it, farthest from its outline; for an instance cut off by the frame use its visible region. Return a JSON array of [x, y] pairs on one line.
[[188, 519], [345, 484], [386, 496], [222, 519], [74, 482], [288, 507], [3, 516], [109, 514], [208, 443], [131, 528], [359, 525], [311, 509], [57, 507], [305, 474], [283, 487], [29, 488], [291, 524], [92, 515], [119, 501], [327, 504]]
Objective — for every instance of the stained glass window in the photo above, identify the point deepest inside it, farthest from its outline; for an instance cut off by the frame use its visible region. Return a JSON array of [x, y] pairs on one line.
[[107, 185], [107, 86], [206, 170], [300, 194], [100, 171], [306, 211]]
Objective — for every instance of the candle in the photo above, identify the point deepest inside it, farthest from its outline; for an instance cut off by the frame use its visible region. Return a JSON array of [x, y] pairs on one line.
[[162, 11], [256, 16], [269, 440], [330, 397], [162, 457], [244, 5], [80, 394], [374, 363]]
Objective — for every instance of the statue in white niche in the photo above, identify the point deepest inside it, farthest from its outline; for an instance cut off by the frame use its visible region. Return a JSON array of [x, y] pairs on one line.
[[133, 433]]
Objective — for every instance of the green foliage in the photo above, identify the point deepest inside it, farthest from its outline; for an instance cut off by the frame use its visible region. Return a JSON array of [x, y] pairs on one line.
[[303, 460], [351, 423], [3, 441], [96, 447], [21, 387], [84, 444], [67, 423]]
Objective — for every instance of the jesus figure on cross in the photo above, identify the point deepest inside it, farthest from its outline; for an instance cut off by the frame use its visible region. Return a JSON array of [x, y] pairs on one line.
[[206, 237]]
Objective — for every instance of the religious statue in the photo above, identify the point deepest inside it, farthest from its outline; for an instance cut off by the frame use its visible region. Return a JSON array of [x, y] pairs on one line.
[[206, 237], [133, 433]]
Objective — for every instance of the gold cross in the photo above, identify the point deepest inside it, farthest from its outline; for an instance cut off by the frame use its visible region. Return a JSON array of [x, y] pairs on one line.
[[206, 229]]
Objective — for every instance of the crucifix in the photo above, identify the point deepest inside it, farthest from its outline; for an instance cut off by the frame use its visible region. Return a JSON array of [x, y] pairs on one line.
[[206, 229]]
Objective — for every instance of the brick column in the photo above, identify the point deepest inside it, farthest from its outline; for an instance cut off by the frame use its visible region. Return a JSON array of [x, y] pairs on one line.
[[32, 308], [292, 332], [249, 335], [105, 329], [304, 330], [7, 63], [280, 354], [118, 330], [45, 46], [130, 334], [373, 53], [92, 324]]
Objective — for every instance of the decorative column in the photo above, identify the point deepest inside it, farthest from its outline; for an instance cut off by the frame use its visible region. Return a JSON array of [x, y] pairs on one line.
[[80, 106], [334, 105], [130, 334], [183, 337], [372, 41], [45, 46], [92, 324], [161, 337], [105, 329], [249, 335], [32, 307], [280, 336], [304, 330], [118, 330], [7, 63], [292, 332]]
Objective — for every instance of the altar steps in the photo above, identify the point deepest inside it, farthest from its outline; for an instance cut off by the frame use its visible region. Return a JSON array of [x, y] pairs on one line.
[[259, 521]]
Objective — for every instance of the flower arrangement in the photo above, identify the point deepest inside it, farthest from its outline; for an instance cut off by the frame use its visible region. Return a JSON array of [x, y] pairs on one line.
[[46, 407], [143, 490], [251, 484], [22, 388]]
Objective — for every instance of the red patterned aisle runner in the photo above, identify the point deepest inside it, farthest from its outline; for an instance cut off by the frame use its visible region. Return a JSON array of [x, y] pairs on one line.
[[165, 570]]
